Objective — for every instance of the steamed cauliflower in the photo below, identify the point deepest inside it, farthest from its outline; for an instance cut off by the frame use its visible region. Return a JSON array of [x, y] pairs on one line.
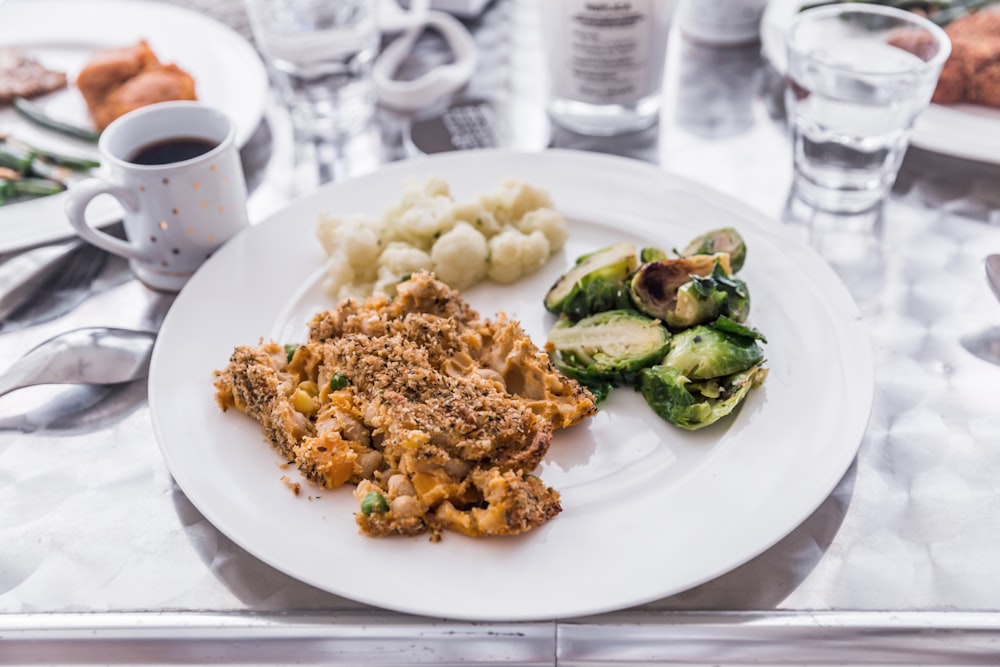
[[501, 236], [397, 260], [514, 254], [548, 222], [460, 256]]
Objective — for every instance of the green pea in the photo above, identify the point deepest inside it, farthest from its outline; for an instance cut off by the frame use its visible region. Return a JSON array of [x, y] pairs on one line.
[[290, 350], [338, 381], [374, 502]]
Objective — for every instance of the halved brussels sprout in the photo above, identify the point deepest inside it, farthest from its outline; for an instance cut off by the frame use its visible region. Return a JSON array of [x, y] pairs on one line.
[[726, 240], [654, 285], [691, 405], [598, 282], [704, 352], [704, 299], [610, 346], [650, 254]]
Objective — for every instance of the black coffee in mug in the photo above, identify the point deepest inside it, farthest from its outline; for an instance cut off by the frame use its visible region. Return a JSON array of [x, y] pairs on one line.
[[174, 149]]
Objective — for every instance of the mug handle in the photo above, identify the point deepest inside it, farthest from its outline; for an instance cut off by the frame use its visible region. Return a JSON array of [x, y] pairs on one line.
[[80, 196]]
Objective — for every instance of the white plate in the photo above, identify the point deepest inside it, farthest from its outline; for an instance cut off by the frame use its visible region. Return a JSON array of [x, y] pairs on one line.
[[63, 34], [649, 509], [962, 130]]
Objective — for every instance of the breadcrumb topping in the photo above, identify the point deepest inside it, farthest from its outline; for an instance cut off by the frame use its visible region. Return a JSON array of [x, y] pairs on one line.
[[437, 415]]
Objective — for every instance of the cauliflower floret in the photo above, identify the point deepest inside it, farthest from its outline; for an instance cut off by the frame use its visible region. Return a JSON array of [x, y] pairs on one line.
[[513, 199], [503, 235], [386, 282], [422, 215], [355, 290], [415, 193], [327, 230], [402, 258], [535, 251], [361, 244], [437, 186], [460, 256], [338, 273], [549, 222], [474, 214], [422, 225], [397, 260], [513, 254]]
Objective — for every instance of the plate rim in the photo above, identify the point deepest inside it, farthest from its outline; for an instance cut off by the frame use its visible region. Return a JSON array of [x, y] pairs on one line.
[[839, 301]]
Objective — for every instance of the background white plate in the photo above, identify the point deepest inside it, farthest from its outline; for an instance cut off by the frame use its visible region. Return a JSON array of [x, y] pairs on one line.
[[963, 130], [63, 34], [649, 509]]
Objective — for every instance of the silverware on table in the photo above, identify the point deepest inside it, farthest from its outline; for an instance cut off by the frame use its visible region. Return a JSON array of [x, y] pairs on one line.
[[93, 355], [986, 344], [21, 276], [993, 274]]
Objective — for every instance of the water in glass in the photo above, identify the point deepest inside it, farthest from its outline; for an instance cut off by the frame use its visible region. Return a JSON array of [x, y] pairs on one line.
[[850, 129]]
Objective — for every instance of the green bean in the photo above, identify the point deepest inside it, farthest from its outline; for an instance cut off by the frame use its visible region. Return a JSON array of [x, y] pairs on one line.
[[37, 115], [37, 187], [61, 159], [6, 190], [69, 161], [15, 157], [14, 190]]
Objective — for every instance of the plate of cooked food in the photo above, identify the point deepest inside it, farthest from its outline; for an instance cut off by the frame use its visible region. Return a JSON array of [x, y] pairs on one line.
[[964, 117], [508, 386], [67, 69]]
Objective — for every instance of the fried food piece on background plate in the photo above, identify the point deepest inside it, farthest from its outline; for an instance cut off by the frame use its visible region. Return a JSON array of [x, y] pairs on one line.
[[972, 72], [116, 81], [976, 38], [439, 416]]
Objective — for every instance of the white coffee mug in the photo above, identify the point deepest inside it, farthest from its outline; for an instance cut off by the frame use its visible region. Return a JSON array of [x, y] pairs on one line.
[[176, 170]]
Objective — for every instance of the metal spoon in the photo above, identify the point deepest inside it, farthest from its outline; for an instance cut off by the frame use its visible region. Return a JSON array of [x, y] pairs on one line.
[[95, 355], [986, 344], [993, 273]]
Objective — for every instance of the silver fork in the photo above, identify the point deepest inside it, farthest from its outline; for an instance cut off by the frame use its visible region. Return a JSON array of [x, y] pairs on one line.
[[23, 274], [68, 284]]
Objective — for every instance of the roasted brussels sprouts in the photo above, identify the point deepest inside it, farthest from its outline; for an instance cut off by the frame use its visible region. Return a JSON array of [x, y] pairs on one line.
[[726, 240], [723, 323], [611, 346], [705, 298], [653, 287], [649, 254], [598, 282], [705, 352], [692, 405], [600, 389]]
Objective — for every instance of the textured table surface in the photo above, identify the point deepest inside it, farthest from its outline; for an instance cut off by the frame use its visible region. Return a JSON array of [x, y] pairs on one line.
[[96, 540]]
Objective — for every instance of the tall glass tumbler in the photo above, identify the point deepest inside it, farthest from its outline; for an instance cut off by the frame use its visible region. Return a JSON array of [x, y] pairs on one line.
[[320, 53], [606, 62], [859, 75]]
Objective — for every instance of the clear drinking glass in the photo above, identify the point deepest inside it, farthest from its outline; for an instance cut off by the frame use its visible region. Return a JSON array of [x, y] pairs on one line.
[[320, 53], [859, 75]]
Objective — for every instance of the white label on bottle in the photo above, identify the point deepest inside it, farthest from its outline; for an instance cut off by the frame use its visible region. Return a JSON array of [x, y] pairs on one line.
[[609, 49]]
